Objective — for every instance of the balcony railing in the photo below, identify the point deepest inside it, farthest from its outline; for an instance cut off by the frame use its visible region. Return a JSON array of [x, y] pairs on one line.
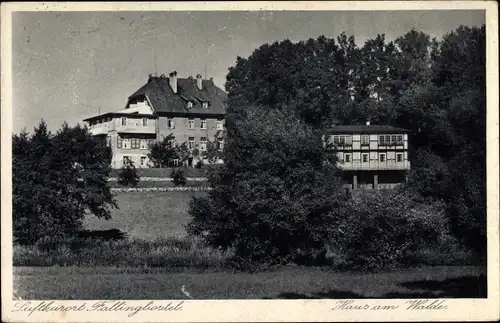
[[375, 165], [136, 126], [100, 128]]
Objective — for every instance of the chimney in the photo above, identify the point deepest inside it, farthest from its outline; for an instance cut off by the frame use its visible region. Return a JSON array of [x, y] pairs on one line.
[[199, 82], [367, 123], [172, 80]]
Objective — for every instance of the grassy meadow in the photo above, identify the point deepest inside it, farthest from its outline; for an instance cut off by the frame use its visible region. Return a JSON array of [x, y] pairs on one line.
[[283, 283], [147, 215]]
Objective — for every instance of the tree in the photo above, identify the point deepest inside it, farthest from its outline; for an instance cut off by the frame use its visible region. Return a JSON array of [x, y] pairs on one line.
[[305, 79], [276, 194], [213, 153], [57, 180], [164, 152], [460, 75], [128, 174]]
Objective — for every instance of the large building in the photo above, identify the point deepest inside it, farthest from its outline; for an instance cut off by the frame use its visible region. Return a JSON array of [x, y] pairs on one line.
[[371, 156], [192, 109]]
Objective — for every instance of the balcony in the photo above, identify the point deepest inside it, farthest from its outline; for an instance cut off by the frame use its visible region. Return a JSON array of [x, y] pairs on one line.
[[136, 126], [100, 128], [376, 165]]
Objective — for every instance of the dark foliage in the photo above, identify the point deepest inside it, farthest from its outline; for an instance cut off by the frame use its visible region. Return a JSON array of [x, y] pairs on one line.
[[163, 153], [178, 177], [275, 197], [57, 179], [128, 174], [434, 88]]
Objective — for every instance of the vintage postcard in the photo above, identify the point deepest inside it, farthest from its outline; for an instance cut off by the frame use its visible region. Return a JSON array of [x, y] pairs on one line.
[[250, 161]]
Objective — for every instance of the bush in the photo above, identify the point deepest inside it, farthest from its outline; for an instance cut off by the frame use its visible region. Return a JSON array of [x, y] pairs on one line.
[[384, 227], [274, 198], [178, 177], [128, 174], [199, 164]]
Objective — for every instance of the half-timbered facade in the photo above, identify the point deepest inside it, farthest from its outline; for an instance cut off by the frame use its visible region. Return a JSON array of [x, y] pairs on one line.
[[371, 156]]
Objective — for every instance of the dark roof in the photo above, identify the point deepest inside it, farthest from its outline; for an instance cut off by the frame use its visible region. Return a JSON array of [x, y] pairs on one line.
[[164, 100], [366, 129]]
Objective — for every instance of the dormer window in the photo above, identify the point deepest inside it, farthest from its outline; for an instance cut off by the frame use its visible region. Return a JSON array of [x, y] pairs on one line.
[[189, 104], [205, 105]]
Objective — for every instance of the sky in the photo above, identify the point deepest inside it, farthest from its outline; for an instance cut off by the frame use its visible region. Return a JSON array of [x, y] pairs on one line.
[[68, 66]]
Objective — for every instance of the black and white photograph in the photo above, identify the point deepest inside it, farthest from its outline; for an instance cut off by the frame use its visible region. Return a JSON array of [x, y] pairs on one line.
[[336, 158]]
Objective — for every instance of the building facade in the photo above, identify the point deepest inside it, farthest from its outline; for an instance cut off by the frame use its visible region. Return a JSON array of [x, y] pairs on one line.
[[371, 156], [191, 109]]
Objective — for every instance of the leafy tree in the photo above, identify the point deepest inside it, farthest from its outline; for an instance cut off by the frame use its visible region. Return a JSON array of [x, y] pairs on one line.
[[163, 153], [213, 153], [57, 180], [301, 78], [274, 198], [128, 174]]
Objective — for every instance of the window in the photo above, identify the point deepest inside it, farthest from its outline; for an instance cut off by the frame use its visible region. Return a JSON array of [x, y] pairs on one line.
[[190, 105], [220, 143], [399, 139], [191, 143], [365, 140], [126, 143], [381, 140], [385, 140], [203, 143], [365, 158], [393, 139], [124, 121], [125, 160], [119, 142], [342, 140], [399, 157], [347, 158], [144, 144], [135, 143], [143, 161], [144, 122], [220, 126], [381, 158], [203, 124], [170, 123], [205, 105], [191, 123]]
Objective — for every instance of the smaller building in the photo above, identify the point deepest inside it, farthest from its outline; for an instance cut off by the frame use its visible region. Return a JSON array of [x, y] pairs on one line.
[[371, 156]]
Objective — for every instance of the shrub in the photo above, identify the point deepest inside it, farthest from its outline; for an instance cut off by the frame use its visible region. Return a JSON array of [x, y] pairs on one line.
[[128, 174], [275, 197], [385, 226], [178, 176]]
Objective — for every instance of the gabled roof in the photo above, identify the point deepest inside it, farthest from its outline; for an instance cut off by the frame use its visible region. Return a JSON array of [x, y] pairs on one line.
[[165, 101], [353, 129]]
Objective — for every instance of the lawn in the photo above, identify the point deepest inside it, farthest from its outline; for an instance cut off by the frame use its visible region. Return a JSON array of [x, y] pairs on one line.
[[147, 215], [298, 282]]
